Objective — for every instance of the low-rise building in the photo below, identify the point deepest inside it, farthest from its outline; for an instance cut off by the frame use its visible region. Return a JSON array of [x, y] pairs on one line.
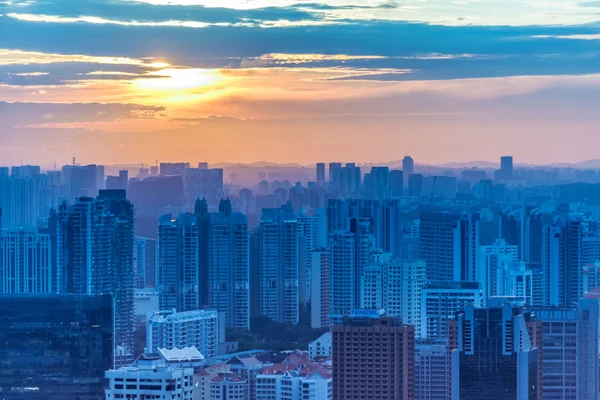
[[320, 347], [294, 382], [228, 386], [149, 377]]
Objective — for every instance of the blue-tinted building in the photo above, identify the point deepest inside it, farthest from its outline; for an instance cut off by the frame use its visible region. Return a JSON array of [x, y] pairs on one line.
[[55, 346]]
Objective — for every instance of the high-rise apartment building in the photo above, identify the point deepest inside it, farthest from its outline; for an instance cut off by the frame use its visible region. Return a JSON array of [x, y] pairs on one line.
[[440, 300], [449, 245], [168, 169], [408, 165], [373, 358], [506, 167], [320, 175], [21, 198], [83, 180], [432, 370], [146, 262], [320, 289], [377, 183], [493, 259], [279, 272], [93, 246], [345, 180], [26, 262], [333, 167], [312, 235], [413, 280], [570, 351], [177, 273], [343, 272], [415, 185], [202, 183], [229, 266], [396, 183]]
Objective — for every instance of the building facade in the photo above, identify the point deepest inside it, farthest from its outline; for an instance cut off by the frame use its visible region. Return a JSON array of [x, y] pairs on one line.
[[169, 329], [149, 378], [73, 334], [373, 358]]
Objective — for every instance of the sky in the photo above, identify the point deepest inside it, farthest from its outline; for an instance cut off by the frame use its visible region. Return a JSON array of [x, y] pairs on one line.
[[292, 81]]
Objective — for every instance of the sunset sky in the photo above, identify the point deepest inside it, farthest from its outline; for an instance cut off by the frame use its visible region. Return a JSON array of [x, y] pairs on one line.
[[121, 81]]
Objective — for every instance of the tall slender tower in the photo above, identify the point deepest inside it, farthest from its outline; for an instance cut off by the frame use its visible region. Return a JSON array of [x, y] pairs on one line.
[[229, 266], [279, 286], [177, 277]]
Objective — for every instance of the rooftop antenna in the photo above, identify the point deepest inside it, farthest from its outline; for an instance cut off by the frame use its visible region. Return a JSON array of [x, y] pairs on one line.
[[73, 161]]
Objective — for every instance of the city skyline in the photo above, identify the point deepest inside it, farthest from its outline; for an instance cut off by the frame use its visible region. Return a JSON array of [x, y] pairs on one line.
[[293, 81]]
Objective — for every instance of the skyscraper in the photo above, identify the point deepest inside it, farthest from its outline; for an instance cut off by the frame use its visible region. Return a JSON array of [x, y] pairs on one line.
[[449, 245], [279, 280], [312, 235], [320, 174], [333, 167], [94, 250], [440, 300], [415, 185], [21, 200], [202, 183], [396, 183], [496, 358], [492, 260], [177, 276], [432, 370], [506, 167], [437, 244], [320, 288], [570, 351], [373, 358], [55, 346], [343, 275], [25, 262], [83, 180], [229, 266], [146, 262], [408, 165], [377, 183]]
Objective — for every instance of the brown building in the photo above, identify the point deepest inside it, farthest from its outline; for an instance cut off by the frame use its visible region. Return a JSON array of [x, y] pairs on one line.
[[373, 359]]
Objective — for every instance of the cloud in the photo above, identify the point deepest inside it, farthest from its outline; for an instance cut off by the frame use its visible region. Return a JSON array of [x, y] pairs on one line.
[[295, 59], [279, 23], [32, 74], [591, 36], [21, 57], [23, 114]]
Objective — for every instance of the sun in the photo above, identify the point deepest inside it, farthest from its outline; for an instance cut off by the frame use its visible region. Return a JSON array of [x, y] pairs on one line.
[[178, 79]]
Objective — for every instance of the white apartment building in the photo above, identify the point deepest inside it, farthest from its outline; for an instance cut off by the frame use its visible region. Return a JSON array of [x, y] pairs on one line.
[[321, 347], [149, 378], [169, 329], [310, 383]]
